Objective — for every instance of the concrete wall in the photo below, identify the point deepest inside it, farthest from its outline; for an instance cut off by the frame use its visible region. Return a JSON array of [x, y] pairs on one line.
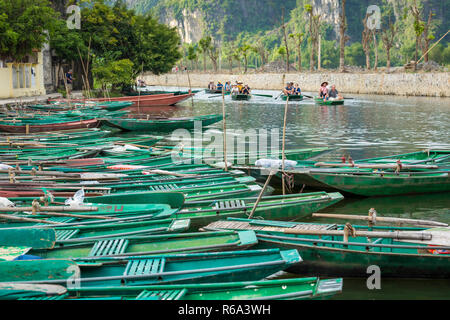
[[17, 79], [409, 84]]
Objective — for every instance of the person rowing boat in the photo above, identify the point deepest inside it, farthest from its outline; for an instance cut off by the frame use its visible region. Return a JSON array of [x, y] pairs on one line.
[[289, 89], [323, 91], [333, 94]]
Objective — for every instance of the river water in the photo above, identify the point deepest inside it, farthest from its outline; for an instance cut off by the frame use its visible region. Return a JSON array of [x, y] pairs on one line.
[[366, 126]]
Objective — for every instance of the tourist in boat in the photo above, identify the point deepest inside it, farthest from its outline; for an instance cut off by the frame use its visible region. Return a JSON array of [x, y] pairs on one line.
[[288, 89], [211, 85], [228, 86], [323, 92], [246, 89], [333, 94], [235, 89], [219, 86], [296, 90], [240, 86]]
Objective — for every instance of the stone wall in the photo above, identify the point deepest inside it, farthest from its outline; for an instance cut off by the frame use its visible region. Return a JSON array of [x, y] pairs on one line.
[[407, 84]]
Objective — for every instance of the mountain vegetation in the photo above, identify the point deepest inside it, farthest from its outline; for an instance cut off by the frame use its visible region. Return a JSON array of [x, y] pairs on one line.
[[407, 30]]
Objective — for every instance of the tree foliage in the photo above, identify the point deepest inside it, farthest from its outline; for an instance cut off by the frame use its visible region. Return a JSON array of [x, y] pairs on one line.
[[23, 26]]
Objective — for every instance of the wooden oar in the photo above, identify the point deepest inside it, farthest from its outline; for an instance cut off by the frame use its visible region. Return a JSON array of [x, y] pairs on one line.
[[415, 222], [279, 95], [262, 95], [307, 96], [226, 93], [23, 219]]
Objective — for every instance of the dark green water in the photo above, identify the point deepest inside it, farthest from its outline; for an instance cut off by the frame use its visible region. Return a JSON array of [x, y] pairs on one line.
[[367, 126]]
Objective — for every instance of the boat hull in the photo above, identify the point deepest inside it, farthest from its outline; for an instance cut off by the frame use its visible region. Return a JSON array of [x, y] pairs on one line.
[[328, 102], [83, 124], [385, 185], [241, 97]]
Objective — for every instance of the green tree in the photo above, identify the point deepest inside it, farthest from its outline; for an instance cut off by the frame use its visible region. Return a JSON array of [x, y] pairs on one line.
[[23, 26], [192, 54], [204, 44], [355, 54], [114, 73], [245, 50]]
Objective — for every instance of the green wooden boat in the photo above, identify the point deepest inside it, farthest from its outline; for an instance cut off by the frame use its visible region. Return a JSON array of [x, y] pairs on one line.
[[386, 184], [248, 157], [163, 125], [328, 102], [292, 97], [241, 97], [149, 245], [150, 93], [331, 255], [191, 268], [288, 207], [282, 289], [26, 238], [69, 232], [114, 105], [302, 173]]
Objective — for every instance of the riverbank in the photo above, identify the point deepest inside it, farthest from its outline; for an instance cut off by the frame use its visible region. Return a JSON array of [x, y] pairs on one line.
[[433, 84]]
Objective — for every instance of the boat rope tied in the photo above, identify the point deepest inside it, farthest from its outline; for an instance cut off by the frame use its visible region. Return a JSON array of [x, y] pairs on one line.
[[289, 179], [349, 230], [11, 175], [373, 217], [35, 206], [398, 166]]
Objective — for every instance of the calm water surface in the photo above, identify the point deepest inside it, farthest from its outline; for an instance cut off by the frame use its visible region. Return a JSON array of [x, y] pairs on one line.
[[366, 126]]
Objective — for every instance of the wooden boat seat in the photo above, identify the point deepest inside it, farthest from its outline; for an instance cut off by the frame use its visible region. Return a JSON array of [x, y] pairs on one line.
[[144, 266], [230, 204], [66, 234], [56, 219], [162, 294], [164, 187], [109, 247], [61, 297]]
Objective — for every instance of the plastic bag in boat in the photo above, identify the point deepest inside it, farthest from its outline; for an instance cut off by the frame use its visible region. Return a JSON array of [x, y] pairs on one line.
[[78, 199], [5, 202], [275, 163], [5, 166]]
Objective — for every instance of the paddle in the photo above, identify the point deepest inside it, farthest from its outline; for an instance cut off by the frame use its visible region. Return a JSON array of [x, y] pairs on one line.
[[308, 96], [262, 95], [219, 95], [279, 95]]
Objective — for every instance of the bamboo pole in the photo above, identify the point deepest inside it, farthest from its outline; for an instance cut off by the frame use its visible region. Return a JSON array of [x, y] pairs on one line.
[[433, 46], [283, 155], [49, 209], [397, 235], [87, 216], [261, 194], [224, 130], [416, 222], [23, 219]]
